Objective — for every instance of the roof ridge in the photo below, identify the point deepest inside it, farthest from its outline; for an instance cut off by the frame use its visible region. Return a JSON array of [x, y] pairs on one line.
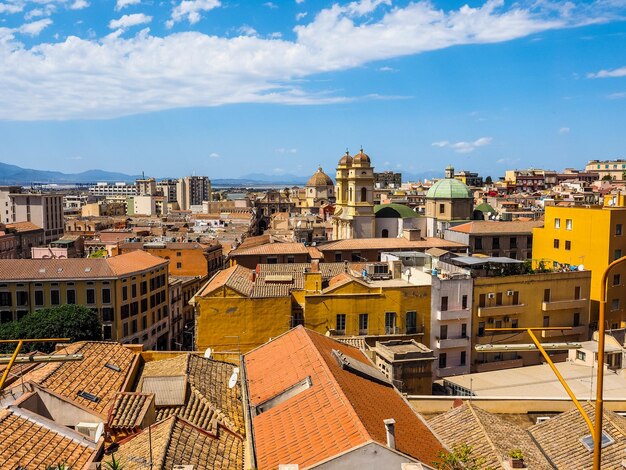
[[484, 431]]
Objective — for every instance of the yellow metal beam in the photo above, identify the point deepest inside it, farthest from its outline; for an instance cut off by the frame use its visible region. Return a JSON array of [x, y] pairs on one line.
[[10, 364]]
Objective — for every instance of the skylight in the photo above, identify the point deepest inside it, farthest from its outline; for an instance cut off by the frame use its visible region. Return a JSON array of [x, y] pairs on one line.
[[88, 396], [588, 441]]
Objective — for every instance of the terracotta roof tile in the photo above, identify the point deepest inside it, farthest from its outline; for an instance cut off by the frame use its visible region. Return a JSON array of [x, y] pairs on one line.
[[129, 409], [134, 261], [32, 445], [334, 415], [270, 249], [88, 375], [484, 227], [23, 226], [388, 244]]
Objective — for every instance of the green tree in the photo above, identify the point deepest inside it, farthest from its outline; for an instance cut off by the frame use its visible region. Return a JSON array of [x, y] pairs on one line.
[[488, 180], [606, 178], [66, 321], [459, 459], [101, 253]]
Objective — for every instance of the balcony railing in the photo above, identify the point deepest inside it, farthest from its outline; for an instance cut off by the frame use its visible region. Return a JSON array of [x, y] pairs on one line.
[[498, 310], [449, 343], [577, 330], [564, 305], [461, 314]]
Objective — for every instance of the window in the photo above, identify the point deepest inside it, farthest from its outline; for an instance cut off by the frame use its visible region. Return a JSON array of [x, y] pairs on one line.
[[499, 298], [556, 243], [411, 322], [615, 304], [337, 257], [442, 208], [498, 323], [363, 194], [515, 300], [6, 316], [125, 311], [297, 318], [107, 331], [464, 330], [124, 294], [568, 245], [478, 243], [481, 328], [482, 300], [270, 260], [133, 328], [91, 296], [513, 242], [125, 329], [443, 332], [133, 290], [179, 254], [618, 254], [5, 299], [106, 295], [546, 295], [390, 323], [577, 293], [71, 296], [568, 224], [144, 288], [464, 301], [341, 323], [356, 257], [444, 303], [529, 242], [21, 298], [546, 321], [144, 305], [180, 265], [442, 360], [514, 323], [107, 314], [576, 321], [496, 243], [144, 322], [38, 298], [55, 297], [617, 279], [557, 223], [363, 323], [581, 355], [618, 229], [291, 259]]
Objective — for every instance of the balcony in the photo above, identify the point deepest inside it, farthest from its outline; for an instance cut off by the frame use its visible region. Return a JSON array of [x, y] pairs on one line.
[[498, 310], [498, 365], [447, 315], [575, 331], [564, 305], [450, 343]]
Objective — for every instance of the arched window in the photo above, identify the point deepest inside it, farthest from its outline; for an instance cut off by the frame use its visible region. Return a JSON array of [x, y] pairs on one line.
[[385, 233], [350, 199], [363, 194]]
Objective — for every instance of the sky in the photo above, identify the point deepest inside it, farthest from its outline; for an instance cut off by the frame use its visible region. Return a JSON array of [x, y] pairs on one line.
[[228, 88]]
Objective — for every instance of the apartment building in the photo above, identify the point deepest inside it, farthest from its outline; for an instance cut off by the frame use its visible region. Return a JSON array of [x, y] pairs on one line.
[[103, 189], [607, 169], [129, 292], [192, 191]]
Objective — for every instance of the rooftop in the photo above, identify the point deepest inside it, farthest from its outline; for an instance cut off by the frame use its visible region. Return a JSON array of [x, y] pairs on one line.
[[484, 227], [270, 249], [389, 244]]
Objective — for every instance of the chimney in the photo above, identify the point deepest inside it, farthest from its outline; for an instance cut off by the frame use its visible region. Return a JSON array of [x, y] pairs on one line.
[[315, 266], [390, 428]]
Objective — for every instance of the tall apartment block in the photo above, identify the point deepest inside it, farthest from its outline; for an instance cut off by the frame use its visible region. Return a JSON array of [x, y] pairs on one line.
[[192, 190]]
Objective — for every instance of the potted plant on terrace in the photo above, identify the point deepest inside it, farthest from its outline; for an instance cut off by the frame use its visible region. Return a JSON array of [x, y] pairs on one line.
[[516, 458]]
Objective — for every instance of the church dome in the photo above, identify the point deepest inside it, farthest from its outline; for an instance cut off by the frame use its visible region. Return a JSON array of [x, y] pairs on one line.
[[346, 159], [449, 188], [320, 179], [362, 157]]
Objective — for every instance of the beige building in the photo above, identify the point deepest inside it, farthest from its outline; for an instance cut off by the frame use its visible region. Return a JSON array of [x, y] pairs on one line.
[[449, 202], [129, 292], [607, 169], [43, 210], [192, 191]]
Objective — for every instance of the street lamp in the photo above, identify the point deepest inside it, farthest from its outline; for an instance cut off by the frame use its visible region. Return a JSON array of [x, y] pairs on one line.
[[597, 434]]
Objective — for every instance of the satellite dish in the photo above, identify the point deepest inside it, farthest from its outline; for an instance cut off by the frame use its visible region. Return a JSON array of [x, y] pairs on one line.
[[233, 380], [207, 353], [581, 267]]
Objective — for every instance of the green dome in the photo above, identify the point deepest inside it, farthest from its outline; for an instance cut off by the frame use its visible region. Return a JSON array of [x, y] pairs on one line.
[[449, 188]]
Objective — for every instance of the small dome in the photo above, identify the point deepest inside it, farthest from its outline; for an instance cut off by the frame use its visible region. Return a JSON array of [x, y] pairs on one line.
[[449, 188], [362, 157], [346, 159], [320, 179]]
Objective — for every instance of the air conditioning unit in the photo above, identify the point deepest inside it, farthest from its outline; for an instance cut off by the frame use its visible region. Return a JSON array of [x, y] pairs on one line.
[[509, 293], [541, 419], [91, 430], [490, 320], [491, 295]]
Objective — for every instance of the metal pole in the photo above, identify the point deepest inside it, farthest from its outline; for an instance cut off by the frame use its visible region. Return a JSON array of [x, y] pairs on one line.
[[597, 434], [10, 364]]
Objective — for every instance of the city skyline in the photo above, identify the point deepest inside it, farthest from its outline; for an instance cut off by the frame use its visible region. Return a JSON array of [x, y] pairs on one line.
[[280, 87]]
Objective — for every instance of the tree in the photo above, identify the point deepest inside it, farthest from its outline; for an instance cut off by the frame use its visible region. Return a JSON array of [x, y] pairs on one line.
[[488, 180], [100, 253], [459, 459], [66, 321], [606, 178]]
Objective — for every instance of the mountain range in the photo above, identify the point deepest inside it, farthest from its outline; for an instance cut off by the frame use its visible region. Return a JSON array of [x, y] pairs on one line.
[[16, 175]]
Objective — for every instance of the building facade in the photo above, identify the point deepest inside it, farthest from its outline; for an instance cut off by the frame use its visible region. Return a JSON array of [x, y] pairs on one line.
[[192, 191]]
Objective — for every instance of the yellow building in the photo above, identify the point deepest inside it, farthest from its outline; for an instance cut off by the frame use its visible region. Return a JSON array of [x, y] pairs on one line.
[[528, 300], [240, 309], [593, 237], [128, 292]]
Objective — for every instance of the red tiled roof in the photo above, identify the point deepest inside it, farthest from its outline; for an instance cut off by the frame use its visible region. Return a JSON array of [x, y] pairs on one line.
[[271, 249], [134, 261], [388, 244], [23, 226], [484, 227], [335, 414]]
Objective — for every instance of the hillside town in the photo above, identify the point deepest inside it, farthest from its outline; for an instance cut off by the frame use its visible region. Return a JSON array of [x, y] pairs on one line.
[[360, 320]]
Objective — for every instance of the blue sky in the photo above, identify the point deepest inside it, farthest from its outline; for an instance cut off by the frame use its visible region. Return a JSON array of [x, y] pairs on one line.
[[225, 88]]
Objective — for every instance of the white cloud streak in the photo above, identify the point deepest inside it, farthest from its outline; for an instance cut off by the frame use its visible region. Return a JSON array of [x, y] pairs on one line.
[[116, 76], [121, 4], [35, 28], [128, 21], [464, 147], [79, 5], [619, 72]]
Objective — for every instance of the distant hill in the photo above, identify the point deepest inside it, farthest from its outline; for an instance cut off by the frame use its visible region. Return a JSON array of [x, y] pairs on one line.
[[13, 174]]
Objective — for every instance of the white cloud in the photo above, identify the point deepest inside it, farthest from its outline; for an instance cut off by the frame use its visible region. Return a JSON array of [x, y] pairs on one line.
[[564, 130], [299, 16], [47, 10], [128, 21], [79, 5], [214, 155], [247, 30], [191, 10], [271, 5], [275, 35], [11, 7], [34, 28], [121, 4], [116, 76], [286, 150], [386, 69], [464, 147], [299, 2], [617, 96], [619, 72]]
